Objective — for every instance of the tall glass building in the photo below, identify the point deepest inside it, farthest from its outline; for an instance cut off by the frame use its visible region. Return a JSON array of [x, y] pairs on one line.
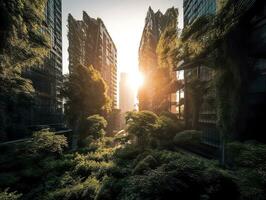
[[47, 78], [197, 8], [91, 44], [194, 9], [255, 95]]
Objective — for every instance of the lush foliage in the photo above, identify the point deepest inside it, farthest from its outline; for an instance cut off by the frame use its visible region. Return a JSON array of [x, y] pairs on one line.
[[220, 43], [164, 75], [5, 195], [148, 129], [93, 128], [24, 44], [45, 142], [86, 94], [249, 162], [111, 168]]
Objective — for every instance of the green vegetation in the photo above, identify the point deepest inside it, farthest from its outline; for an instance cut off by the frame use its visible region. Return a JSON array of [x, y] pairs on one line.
[[23, 45], [86, 94], [145, 162], [106, 169], [165, 83], [156, 63], [5, 195], [218, 42]]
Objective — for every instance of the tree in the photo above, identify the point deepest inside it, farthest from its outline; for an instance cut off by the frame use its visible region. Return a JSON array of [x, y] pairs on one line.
[[93, 127], [141, 125], [86, 94], [24, 44]]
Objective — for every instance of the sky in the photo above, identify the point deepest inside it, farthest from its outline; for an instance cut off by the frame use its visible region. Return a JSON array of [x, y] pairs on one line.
[[124, 20]]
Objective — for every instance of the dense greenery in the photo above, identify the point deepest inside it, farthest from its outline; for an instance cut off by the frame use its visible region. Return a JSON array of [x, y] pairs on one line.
[[125, 168], [164, 75], [24, 44], [144, 162], [86, 94], [220, 43]]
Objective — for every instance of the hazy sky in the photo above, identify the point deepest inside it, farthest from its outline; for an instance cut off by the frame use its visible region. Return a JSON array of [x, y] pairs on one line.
[[124, 20]]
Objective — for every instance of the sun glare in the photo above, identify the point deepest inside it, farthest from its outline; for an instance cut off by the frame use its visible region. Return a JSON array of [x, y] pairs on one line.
[[135, 80]]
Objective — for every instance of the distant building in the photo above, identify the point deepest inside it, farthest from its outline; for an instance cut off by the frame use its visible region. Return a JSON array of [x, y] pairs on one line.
[[91, 44], [126, 97], [47, 78], [155, 24]]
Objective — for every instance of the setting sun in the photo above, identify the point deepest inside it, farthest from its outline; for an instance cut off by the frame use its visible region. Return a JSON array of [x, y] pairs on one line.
[[135, 80]]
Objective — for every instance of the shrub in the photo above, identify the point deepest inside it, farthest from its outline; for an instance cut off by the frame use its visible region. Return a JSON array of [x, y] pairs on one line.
[[246, 154], [128, 152], [185, 178], [93, 127], [220, 185], [149, 162], [141, 125], [45, 141], [187, 137], [249, 162], [79, 191], [166, 129], [6, 195], [85, 167]]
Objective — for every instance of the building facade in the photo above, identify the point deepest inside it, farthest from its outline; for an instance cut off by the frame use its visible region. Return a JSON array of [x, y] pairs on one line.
[[91, 44], [47, 78], [155, 24], [194, 9], [254, 98], [126, 97]]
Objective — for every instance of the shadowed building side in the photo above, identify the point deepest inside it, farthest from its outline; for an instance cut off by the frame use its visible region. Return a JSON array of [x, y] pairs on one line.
[[47, 78]]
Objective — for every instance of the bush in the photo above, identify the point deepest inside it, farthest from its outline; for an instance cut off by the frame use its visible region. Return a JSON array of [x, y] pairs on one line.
[[6, 195], [45, 142], [149, 162], [246, 154], [141, 125], [85, 167], [249, 162], [185, 178], [79, 191], [187, 137], [93, 127], [219, 185], [166, 129]]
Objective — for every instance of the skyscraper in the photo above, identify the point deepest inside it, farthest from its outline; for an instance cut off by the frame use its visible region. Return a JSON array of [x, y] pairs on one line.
[[155, 24], [126, 96], [91, 44], [194, 9], [47, 78], [253, 96]]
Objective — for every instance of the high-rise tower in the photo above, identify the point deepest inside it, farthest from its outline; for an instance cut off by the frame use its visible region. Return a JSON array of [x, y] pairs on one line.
[[155, 24], [47, 78], [91, 44]]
